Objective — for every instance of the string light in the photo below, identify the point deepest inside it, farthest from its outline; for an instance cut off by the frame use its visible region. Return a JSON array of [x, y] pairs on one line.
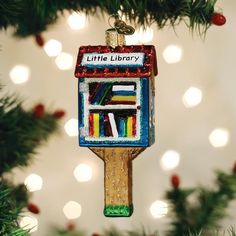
[[19, 74], [170, 160], [192, 97], [77, 20], [64, 61], [29, 223], [159, 209], [132, 39], [145, 35], [53, 48], [33, 182], [172, 54], [219, 137], [71, 127], [72, 210], [83, 173]]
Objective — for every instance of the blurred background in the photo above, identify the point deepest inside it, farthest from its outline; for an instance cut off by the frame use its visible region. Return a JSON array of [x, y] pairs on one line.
[[195, 119]]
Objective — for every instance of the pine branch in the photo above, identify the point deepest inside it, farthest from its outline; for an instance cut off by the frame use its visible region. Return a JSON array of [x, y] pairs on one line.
[[30, 17], [208, 209], [21, 133], [12, 200]]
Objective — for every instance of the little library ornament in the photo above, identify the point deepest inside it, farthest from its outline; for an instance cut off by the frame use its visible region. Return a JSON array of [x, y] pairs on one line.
[[116, 110]]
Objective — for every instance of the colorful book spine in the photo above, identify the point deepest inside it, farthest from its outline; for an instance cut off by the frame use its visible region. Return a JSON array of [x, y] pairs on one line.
[[134, 125], [123, 98], [113, 125], [91, 127], [129, 127], [122, 127], [101, 125], [107, 126], [96, 125], [123, 88]]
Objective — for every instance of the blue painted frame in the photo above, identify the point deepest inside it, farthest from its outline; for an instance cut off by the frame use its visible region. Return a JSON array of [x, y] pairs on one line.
[[144, 140]]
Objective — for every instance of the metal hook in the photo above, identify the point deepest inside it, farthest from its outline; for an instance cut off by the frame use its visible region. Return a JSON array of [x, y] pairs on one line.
[[120, 26]]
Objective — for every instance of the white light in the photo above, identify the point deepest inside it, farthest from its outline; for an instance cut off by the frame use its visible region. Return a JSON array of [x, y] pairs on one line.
[[172, 54], [170, 160], [76, 20], [53, 48], [219, 137], [132, 39], [192, 97], [29, 223], [83, 173], [64, 61], [145, 35], [159, 209], [71, 127], [19, 74], [33, 182], [72, 210]]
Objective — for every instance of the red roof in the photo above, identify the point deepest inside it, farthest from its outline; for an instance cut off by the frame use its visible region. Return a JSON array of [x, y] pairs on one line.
[[149, 65]]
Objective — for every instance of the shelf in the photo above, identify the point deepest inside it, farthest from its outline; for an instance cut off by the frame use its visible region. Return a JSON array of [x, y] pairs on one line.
[[117, 107]]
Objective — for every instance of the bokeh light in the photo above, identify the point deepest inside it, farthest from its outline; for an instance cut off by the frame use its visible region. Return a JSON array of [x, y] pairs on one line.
[[83, 173], [145, 35], [72, 210], [219, 137], [53, 48], [33, 182], [170, 160], [71, 127], [29, 223], [77, 20], [19, 74], [64, 61], [192, 97], [172, 54], [159, 209], [132, 39]]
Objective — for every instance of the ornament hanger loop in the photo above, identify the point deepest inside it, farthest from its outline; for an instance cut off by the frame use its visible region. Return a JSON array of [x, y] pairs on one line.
[[120, 26]]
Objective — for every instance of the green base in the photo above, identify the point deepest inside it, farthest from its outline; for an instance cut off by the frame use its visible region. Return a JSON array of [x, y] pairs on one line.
[[118, 210]]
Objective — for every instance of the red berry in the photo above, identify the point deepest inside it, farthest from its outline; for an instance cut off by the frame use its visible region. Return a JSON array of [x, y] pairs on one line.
[[70, 226], [175, 181], [218, 19], [33, 208], [95, 234], [38, 111], [39, 40], [58, 114], [234, 168]]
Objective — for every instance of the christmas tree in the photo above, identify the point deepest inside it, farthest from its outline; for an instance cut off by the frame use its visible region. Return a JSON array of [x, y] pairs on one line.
[[35, 17], [21, 133]]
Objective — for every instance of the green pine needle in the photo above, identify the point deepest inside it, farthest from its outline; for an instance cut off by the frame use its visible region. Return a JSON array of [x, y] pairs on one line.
[[21, 133], [12, 200], [30, 17], [209, 207]]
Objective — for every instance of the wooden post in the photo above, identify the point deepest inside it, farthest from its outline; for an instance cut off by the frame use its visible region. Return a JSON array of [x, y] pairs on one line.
[[118, 179]]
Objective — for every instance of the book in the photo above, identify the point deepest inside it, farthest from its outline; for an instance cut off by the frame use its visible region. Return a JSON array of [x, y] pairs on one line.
[[96, 124], [123, 98], [91, 127], [129, 126], [123, 88], [113, 125]]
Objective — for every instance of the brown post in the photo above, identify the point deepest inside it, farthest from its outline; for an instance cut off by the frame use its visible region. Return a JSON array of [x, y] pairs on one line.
[[118, 179]]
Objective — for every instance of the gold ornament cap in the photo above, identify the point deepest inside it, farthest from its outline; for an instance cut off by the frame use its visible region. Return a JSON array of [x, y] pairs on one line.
[[114, 39]]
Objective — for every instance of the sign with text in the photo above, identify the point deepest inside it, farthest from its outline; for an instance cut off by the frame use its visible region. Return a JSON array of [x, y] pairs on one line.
[[135, 59]]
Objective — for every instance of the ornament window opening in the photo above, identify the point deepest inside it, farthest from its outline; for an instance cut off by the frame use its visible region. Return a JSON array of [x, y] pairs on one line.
[[109, 107]]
